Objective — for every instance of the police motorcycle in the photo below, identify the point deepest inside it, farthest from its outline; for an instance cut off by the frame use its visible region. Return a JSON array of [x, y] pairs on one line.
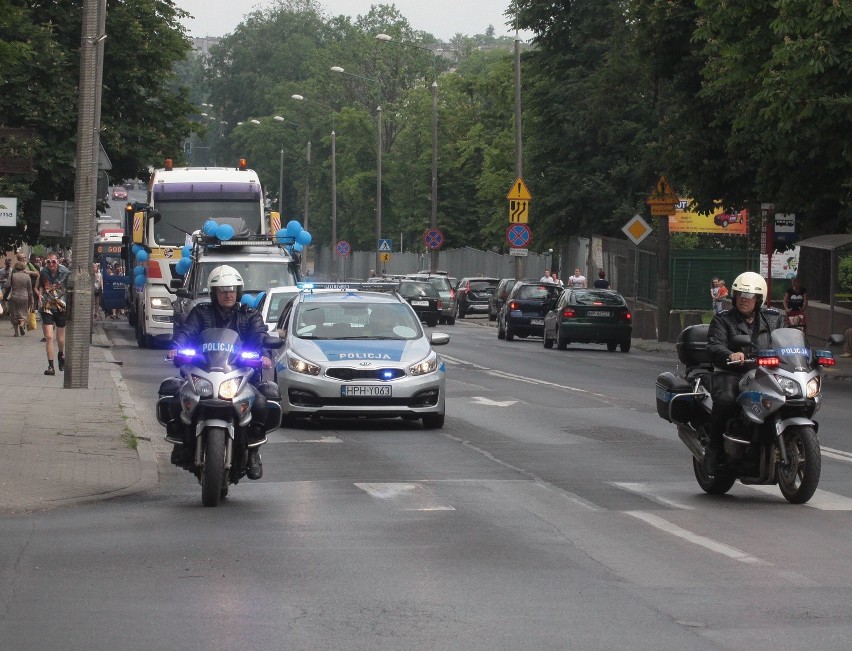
[[773, 438], [216, 399]]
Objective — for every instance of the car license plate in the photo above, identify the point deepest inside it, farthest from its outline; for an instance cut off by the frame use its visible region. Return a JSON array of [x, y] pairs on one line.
[[420, 303], [536, 321], [365, 391], [599, 313]]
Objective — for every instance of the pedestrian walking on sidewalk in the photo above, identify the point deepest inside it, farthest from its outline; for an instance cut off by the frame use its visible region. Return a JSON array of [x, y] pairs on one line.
[[97, 290], [52, 283], [20, 298]]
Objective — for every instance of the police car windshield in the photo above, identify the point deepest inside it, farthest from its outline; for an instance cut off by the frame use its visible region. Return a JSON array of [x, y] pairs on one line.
[[326, 320]]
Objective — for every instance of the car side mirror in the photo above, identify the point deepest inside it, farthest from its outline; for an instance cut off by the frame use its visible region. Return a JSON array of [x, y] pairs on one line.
[[176, 283], [182, 293], [439, 338], [836, 340]]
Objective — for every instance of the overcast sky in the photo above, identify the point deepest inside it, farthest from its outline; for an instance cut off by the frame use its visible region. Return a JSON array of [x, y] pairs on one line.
[[442, 18]]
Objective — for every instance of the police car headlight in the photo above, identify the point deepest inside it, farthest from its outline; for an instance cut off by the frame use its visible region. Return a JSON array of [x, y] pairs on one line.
[[428, 365], [158, 303], [812, 387], [790, 387], [203, 387], [228, 389], [299, 365]]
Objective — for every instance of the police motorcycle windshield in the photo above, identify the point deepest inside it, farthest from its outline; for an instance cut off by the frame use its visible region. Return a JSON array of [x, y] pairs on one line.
[[217, 349], [790, 346]]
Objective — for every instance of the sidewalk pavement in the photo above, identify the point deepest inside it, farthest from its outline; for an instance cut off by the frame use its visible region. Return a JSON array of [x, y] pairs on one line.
[[62, 446]]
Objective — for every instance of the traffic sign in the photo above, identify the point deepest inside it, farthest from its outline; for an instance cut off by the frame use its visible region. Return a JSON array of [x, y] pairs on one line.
[[519, 190], [385, 245], [519, 252], [637, 229], [662, 194], [384, 256], [433, 239], [519, 211], [518, 236], [343, 248], [663, 209]]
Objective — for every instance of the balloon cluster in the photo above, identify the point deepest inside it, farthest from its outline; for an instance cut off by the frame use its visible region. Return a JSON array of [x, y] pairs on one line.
[[185, 261], [222, 232], [140, 271], [293, 236], [252, 302]]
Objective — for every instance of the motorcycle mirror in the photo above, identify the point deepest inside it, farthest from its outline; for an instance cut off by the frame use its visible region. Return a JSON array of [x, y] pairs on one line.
[[836, 340], [272, 342], [741, 341]]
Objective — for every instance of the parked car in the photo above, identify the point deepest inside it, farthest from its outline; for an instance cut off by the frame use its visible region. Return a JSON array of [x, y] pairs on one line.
[[447, 293], [424, 298], [589, 316], [473, 294], [524, 310], [119, 193]]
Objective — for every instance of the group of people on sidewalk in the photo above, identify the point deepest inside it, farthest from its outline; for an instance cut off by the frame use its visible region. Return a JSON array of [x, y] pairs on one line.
[[27, 289], [578, 280]]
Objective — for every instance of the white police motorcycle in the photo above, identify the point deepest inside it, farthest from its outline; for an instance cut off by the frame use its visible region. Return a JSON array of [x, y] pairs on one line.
[[216, 399], [773, 438]]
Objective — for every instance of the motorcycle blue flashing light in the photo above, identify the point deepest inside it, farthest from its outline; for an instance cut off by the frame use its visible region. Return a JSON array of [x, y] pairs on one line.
[[251, 358]]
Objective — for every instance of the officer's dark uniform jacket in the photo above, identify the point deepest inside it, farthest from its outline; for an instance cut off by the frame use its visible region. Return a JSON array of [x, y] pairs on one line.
[[729, 323], [245, 322]]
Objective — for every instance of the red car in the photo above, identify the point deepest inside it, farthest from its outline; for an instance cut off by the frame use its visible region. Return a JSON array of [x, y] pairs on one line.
[[119, 193]]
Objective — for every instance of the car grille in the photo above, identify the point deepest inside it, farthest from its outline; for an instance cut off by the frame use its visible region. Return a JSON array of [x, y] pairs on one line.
[[365, 374]]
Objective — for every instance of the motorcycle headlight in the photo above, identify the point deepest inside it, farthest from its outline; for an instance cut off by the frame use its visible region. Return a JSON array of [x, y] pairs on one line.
[[299, 365], [228, 389], [203, 387], [428, 365], [812, 387], [158, 303], [790, 387]]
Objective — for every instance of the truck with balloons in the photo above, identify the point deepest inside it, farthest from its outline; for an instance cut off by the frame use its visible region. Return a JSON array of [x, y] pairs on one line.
[[263, 263], [180, 201]]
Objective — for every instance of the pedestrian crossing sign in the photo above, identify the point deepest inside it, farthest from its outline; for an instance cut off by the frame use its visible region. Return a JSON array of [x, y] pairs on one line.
[[385, 246]]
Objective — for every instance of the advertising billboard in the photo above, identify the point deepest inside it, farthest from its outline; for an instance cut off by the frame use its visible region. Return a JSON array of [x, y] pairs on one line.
[[723, 223]]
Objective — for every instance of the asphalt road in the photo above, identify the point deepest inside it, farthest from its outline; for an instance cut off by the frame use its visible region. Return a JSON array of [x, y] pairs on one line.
[[555, 510]]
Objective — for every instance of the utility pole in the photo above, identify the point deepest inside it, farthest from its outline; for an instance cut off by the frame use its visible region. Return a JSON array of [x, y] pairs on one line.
[[85, 207], [519, 261]]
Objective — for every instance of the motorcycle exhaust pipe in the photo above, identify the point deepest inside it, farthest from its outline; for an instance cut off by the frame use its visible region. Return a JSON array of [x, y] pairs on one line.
[[690, 440]]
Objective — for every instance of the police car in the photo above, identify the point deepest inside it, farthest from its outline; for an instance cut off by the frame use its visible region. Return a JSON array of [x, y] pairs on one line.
[[358, 350]]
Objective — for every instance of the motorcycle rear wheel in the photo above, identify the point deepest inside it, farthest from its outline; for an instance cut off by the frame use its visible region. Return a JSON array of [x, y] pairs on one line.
[[213, 466], [717, 484], [798, 482]]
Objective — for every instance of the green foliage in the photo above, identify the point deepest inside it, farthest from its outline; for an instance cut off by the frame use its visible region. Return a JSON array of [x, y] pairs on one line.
[[844, 273]]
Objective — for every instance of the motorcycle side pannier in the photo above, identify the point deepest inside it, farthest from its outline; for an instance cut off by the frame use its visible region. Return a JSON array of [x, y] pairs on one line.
[[692, 346], [668, 386]]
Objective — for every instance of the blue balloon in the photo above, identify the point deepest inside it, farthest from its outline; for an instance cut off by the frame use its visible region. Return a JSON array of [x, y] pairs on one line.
[[224, 232], [304, 238], [182, 266], [298, 247], [136, 248], [140, 281], [138, 270], [281, 236], [186, 250], [259, 299], [247, 300], [210, 227], [141, 256], [293, 228]]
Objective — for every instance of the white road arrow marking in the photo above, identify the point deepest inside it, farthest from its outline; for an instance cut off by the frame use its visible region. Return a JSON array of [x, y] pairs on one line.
[[493, 403]]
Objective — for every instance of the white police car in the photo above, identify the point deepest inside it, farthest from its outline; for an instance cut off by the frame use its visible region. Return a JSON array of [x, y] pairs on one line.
[[352, 351]]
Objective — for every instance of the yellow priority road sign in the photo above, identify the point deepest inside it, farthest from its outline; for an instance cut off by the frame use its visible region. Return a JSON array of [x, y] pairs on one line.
[[519, 191]]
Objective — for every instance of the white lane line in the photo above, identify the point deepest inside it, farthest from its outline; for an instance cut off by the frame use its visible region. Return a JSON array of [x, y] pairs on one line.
[[456, 360], [696, 539], [286, 438], [480, 400], [646, 490], [837, 455], [403, 495], [822, 500]]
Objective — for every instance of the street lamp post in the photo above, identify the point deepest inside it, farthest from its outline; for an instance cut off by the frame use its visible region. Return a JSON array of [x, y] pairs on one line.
[[301, 98], [278, 118], [433, 256], [340, 70]]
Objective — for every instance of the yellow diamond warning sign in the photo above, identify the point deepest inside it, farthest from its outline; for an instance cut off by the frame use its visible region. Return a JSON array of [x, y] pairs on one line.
[[636, 229]]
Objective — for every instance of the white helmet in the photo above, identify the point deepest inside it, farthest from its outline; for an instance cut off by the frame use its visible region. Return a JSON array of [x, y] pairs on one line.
[[225, 278], [750, 284]]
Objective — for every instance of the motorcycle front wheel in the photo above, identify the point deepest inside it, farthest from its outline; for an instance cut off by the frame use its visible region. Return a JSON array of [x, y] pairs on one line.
[[213, 466], [799, 479]]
